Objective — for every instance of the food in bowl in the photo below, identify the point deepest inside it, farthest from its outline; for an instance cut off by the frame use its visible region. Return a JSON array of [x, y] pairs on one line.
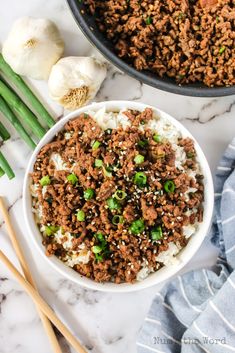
[[117, 194], [185, 40]]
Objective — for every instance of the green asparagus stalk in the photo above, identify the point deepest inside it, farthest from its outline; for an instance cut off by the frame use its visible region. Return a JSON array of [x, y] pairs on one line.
[[9, 114], [6, 167], [1, 172], [4, 133], [26, 91], [18, 106]]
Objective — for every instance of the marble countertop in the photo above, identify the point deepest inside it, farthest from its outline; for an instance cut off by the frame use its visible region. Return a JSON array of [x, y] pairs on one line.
[[104, 322]]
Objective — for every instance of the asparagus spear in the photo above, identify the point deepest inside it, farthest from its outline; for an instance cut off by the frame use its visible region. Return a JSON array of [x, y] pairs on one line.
[[6, 167], [26, 91], [4, 133], [1, 172], [19, 107], [8, 113]]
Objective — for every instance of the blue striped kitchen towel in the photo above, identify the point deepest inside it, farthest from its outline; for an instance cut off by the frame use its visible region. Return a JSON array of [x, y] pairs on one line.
[[196, 311]]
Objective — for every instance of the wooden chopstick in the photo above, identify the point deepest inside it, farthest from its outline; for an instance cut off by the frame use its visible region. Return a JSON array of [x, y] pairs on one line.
[[28, 285], [44, 307], [16, 245]]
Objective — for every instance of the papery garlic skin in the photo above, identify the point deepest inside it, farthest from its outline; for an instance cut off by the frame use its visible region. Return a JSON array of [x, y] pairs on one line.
[[74, 81], [32, 47]]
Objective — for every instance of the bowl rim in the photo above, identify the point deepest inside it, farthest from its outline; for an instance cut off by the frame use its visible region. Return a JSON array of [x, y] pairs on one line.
[[151, 80], [165, 273]]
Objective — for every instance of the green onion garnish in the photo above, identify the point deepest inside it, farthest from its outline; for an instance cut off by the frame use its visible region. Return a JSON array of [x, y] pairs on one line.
[[157, 138], [72, 178], [81, 216], [143, 143], [49, 230], [120, 195], [137, 226], [100, 237], [113, 204], [117, 219], [222, 49], [190, 155], [98, 163], [99, 257], [108, 131], [88, 194], [96, 145], [139, 159], [45, 180], [107, 172], [156, 233], [148, 20], [169, 186], [140, 179], [101, 249], [96, 249]]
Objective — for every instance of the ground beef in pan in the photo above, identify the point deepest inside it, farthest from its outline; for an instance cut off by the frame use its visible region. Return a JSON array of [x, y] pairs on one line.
[[189, 40], [108, 202]]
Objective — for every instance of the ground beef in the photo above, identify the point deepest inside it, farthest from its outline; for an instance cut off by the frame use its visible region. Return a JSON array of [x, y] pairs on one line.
[[123, 252], [190, 40]]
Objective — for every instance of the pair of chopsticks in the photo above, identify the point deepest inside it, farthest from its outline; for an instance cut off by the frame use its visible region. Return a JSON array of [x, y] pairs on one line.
[[45, 312]]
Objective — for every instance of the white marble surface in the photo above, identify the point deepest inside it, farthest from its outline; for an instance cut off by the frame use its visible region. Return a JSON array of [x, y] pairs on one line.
[[104, 322]]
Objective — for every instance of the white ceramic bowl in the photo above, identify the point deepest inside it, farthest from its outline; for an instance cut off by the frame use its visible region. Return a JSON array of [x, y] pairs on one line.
[[164, 273]]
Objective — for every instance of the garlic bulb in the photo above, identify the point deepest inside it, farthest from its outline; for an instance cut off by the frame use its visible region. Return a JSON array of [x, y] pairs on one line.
[[32, 47], [74, 81]]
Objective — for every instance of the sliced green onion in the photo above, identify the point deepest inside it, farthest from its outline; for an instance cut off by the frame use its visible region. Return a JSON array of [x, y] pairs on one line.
[[100, 237], [117, 219], [169, 186], [139, 159], [140, 179], [96, 145], [96, 249], [222, 49], [99, 257], [106, 172], [98, 163], [45, 180], [113, 204], [109, 168], [72, 178], [120, 195], [157, 138], [148, 20], [49, 230], [81, 216], [137, 226], [156, 233], [190, 155], [143, 143], [108, 131], [89, 194]]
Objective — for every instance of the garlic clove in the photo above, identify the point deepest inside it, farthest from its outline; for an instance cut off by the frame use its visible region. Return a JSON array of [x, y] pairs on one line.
[[74, 81], [32, 47]]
